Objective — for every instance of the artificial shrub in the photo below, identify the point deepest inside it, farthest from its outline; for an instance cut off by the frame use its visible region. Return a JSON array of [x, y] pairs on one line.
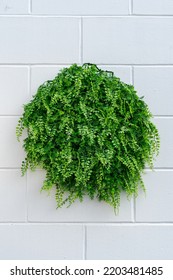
[[91, 133]]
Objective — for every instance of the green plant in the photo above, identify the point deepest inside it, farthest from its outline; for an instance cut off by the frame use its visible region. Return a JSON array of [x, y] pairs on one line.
[[91, 133]]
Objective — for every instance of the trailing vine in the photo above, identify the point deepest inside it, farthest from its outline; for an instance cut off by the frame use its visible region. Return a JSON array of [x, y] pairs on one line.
[[91, 133]]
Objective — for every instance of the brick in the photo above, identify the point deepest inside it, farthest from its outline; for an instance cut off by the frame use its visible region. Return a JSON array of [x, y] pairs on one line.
[[139, 242], [165, 158], [153, 7], [11, 150], [14, 7], [14, 89], [41, 242], [155, 84], [41, 74], [39, 40], [77, 7], [128, 40], [12, 196], [42, 207], [156, 206]]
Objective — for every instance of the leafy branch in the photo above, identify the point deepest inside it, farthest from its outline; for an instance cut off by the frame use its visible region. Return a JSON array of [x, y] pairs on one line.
[[91, 133]]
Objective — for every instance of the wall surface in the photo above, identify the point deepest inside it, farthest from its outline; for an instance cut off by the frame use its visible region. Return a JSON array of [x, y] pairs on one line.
[[134, 39]]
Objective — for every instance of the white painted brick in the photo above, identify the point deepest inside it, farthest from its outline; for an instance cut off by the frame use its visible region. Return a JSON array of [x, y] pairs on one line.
[[41, 242], [153, 7], [12, 196], [128, 40], [11, 150], [42, 207], [155, 84], [39, 40], [40, 74], [78, 7], [14, 7], [165, 128], [123, 72], [157, 205], [14, 89], [130, 242]]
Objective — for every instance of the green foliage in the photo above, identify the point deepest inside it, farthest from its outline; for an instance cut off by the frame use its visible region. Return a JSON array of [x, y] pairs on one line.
[[91, 133]]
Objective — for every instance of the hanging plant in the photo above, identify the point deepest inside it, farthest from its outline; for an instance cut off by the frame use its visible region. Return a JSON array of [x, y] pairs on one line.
[[91, 133]]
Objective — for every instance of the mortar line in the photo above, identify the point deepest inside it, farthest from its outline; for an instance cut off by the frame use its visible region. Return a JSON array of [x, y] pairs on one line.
[[131, 7], [104, 223], [162, 116], [145, 65], [89, 16], [9, 116], [132, 73], [22, 64], [30, 7], [133, 210], [84, 242], [27, 197], [134, 201], [81, 41], [9, 168], [159, 169], [29, 81]]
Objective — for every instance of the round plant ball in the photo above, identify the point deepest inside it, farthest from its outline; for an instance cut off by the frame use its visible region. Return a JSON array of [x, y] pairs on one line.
[[91, 133]]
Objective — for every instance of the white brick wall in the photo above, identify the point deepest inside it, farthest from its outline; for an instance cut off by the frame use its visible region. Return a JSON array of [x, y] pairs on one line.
[[153, 7], [39, 40], [133, 38], [129, 242], [14, 87], [78, 7], [128, 40], [14, 7]]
